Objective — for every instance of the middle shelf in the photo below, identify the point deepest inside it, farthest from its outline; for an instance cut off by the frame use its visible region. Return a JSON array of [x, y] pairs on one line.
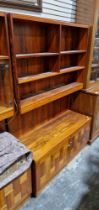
[[34, 102], [30, 78]]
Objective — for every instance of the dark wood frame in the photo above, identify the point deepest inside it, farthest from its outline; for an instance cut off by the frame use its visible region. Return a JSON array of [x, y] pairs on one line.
[[22, 5]]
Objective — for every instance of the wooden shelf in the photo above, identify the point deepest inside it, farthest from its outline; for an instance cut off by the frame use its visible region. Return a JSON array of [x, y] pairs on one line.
[[32, 78], [6, 112], [66, 124], [73, 52], [45, 54], [94, 89], [49, 96], [4, 57], [30, 55], [71, 69]]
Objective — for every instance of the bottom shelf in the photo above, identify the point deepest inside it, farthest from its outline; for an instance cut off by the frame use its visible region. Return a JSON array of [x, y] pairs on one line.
[[47, 136], [6, 112], [54, 144], [39, 100]]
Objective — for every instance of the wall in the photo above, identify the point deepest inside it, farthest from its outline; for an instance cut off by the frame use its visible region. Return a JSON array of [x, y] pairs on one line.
[[64, 10], [85, 11]]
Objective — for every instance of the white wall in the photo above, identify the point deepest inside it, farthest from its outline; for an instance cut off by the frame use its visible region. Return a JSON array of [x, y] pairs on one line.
[[55, 9]]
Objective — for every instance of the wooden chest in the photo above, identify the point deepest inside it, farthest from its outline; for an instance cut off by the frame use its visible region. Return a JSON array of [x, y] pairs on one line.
[[54, 144], [14, 194]]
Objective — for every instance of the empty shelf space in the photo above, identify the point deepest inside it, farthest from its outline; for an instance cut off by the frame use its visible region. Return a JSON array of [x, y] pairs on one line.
[[39, 100], [4, 57], [31, 78], [73, 52], [29, 55], [6, 112], [65, 125]]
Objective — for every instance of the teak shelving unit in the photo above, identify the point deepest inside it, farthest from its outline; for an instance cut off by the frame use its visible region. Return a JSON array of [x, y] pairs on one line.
[[49, 59], [6, 96], [49, 64]]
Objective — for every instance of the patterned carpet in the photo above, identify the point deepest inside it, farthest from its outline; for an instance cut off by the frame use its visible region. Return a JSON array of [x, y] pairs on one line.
[[75, 188]]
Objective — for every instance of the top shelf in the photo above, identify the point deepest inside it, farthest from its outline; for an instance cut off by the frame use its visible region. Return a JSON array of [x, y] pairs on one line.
[[30, 55], [46, 20]]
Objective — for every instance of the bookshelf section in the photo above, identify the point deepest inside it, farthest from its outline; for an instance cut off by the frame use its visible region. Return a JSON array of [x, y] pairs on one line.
[[35, 37], [6, 97], [72, 61], [38, 65], [48, 59], [73, 39]]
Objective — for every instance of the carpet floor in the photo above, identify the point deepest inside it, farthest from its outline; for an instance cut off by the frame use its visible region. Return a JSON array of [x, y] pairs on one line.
[[76, 187]]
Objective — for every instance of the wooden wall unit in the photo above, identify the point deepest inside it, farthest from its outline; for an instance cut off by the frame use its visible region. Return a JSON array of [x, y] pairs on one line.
[[6, 91], [49, 64]]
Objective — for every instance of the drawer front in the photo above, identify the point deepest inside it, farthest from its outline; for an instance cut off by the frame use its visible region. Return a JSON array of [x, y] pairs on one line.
[[77, 141], [52, 163], [16, 192]]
